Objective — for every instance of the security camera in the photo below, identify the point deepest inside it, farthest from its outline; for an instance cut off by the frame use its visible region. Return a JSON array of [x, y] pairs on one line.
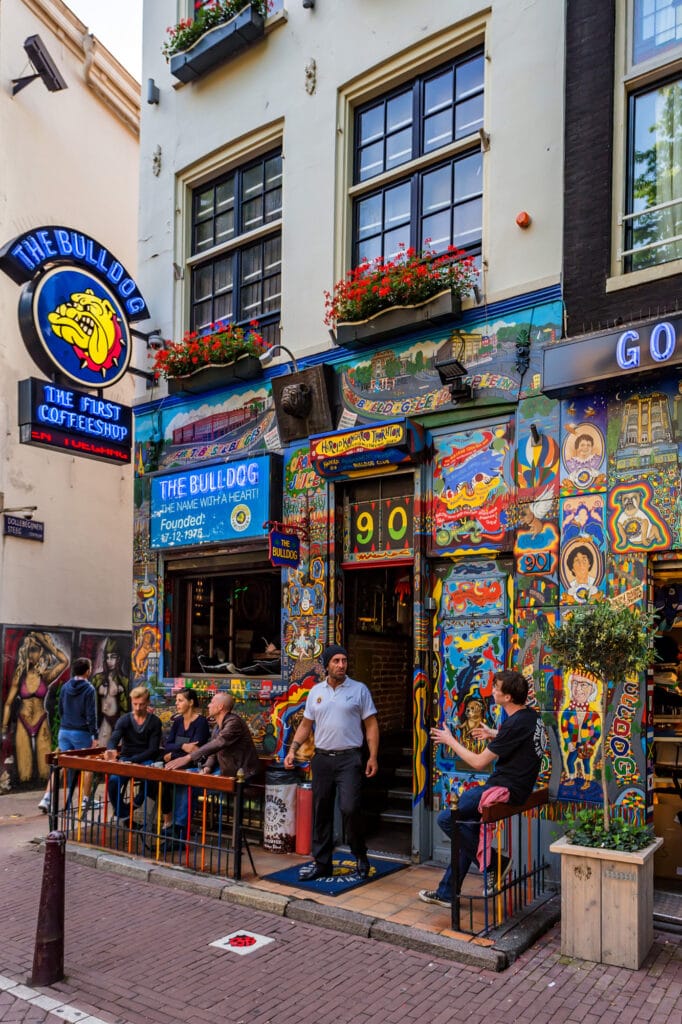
[[156, 342], [28, 515], [43, 63]]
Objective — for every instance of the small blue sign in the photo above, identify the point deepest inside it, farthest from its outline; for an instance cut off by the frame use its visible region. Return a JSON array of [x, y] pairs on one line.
[[208, 504], [19, 526], [285, 549]]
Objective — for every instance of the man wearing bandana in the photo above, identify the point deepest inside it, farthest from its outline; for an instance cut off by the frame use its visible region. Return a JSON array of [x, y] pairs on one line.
[[340, 708]]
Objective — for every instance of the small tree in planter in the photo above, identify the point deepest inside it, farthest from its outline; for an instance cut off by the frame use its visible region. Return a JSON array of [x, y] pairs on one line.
[[607, 864]]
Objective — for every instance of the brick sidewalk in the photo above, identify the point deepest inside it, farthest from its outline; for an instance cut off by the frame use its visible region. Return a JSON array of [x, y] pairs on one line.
[[139, 953]]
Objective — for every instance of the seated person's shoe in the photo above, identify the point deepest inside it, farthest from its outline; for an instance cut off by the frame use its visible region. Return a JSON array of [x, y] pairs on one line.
[[363, 867], [431, 896], [311, 872], [44, 804], [493, 883]]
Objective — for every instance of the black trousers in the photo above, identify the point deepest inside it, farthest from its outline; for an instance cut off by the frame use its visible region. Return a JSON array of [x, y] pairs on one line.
[[342, 774]]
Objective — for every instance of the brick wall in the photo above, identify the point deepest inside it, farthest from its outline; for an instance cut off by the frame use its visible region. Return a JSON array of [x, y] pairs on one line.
[[384, 663]]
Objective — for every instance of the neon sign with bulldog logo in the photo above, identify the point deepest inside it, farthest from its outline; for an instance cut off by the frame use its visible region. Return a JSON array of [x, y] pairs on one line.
[[75, 306]]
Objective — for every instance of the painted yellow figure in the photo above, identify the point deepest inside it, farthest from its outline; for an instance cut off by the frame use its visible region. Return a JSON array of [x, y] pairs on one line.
[[39, 663]]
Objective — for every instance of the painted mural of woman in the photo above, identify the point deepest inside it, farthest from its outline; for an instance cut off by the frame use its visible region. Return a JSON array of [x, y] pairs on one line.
[[39, 663]]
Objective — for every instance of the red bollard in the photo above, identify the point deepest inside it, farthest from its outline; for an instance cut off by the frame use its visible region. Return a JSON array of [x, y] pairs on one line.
[[304, 818], [48, 956]]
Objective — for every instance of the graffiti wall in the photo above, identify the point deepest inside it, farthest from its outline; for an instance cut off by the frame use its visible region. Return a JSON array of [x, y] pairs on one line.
[[35, 662]]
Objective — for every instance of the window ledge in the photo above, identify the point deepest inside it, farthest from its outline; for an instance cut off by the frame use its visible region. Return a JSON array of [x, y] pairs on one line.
[[637, 277]]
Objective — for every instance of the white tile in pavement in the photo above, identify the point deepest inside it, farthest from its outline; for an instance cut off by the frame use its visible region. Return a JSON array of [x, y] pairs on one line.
[[57, 1007], [241, 942]]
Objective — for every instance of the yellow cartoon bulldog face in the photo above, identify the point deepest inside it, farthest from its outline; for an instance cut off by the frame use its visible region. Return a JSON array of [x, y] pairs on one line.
[[90, 324]]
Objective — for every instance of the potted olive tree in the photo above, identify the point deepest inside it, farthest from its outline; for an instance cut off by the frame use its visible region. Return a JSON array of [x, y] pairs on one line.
[[607, 861]]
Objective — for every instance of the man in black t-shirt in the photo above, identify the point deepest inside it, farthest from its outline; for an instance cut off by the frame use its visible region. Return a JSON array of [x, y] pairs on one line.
[[517, 749]]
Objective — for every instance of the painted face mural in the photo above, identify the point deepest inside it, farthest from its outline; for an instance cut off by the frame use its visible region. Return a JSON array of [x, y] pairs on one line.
[[581, 731]]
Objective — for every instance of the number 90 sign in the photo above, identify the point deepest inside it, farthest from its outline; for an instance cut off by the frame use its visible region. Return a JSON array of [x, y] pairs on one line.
[[380, 526]]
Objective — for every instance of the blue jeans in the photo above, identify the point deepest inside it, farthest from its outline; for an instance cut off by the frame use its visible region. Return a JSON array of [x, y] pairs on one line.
[[469, 818], [117, 784], [72, 739], [180, 801]]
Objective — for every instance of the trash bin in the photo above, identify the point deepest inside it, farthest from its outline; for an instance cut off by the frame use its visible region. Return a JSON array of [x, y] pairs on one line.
[[304, 818], [279, 827]]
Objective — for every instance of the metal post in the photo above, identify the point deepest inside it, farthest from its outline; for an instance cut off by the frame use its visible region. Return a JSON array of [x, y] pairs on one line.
[[55, 782], [48, 957], [237, 823], [455, 844]]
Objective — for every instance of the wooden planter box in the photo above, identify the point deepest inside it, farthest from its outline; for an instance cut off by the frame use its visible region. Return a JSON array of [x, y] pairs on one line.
[[216, 375], [399, 319], [218, 45], [607, 903]]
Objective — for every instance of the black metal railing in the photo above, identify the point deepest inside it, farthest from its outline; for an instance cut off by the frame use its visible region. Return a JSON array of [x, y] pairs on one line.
[[121, 806], [525, 884]]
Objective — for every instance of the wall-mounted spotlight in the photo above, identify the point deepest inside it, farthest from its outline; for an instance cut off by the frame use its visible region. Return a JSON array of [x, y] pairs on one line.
[[308, 4], [26, 510], [270, 353], [42, 64], [536, 436], [452, 372]]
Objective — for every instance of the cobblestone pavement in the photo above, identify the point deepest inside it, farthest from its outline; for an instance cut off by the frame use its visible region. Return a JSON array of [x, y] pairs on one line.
[[138, 953]]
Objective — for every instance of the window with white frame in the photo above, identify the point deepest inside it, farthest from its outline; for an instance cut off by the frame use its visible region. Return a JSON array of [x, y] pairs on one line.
[[236, 260], [418, 174], [652, 219]]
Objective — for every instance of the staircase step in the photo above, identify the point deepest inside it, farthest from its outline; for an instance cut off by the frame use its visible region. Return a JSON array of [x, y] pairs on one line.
[[399, 794], [403, 773], [396, 817]]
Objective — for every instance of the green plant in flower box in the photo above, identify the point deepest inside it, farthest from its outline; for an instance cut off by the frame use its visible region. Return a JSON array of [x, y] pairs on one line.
[[209, 15]]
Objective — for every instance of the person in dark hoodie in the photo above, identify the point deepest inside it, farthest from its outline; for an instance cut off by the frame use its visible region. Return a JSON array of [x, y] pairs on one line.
[[77, 720]]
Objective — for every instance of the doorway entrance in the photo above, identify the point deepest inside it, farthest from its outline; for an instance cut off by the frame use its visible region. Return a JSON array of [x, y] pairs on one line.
[[378, 616]]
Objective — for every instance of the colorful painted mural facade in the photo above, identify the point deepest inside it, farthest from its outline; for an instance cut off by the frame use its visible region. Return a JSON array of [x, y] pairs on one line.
[[35, 662], [520, 507]]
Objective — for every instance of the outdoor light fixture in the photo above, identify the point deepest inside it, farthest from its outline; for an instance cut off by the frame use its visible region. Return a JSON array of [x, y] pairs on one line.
[[154, 340], [452, 372], [42, 64], [536, 436], [26, 510], [270, 353], [308, 4]]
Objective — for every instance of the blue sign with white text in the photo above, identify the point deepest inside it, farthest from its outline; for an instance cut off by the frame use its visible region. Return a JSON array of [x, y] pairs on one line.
[[209, 504]]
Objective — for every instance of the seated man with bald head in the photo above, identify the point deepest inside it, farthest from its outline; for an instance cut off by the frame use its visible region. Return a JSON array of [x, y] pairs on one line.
[[230, 746]]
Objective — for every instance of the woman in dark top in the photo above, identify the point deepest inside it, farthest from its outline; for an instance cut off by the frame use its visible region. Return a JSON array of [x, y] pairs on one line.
[[188, 730], [188, 726]]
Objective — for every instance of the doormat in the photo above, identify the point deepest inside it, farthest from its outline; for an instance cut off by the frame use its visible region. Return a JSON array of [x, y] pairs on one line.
[[345, 875]]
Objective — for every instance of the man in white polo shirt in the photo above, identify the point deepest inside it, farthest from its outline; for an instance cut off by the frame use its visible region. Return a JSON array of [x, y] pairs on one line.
[[339, 707]]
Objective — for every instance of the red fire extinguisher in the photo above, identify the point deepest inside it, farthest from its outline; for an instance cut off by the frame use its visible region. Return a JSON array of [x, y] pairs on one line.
[[304, 818]]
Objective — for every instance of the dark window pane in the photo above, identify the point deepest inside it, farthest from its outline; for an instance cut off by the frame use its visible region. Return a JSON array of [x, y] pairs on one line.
[[395, 241], [204, 203], [224, 227], [252, 263], [203, 236], [225, 194], [223, 275], [252, 181], [468, 117], [272, 254], [470, 76], [397, 207], [202, 316], [273, 204], [371, 161], [467, 223], [437, 189], [371, 124], [202, 282], [252, 214], [273, 171], [223, 307], [399, 112], [369, 216], [438, 130], [468, 177], [369, 249], [438, 92], [436, 232], [398, 149]]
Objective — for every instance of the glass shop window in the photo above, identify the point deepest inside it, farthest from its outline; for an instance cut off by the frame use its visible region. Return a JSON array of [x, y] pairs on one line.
[[228, 623]]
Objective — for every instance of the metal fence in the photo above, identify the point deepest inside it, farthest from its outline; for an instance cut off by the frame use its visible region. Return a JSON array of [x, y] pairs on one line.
[[516, 830], [120, 806]]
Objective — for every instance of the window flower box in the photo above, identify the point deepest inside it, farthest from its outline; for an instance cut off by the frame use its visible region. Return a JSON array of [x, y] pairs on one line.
[[215, 375], [399, 319], [218, 44], [224, 354], [382, 298]]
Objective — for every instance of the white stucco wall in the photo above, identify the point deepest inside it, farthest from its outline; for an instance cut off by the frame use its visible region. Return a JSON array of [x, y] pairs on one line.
[[349, 41], [68, 158]]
